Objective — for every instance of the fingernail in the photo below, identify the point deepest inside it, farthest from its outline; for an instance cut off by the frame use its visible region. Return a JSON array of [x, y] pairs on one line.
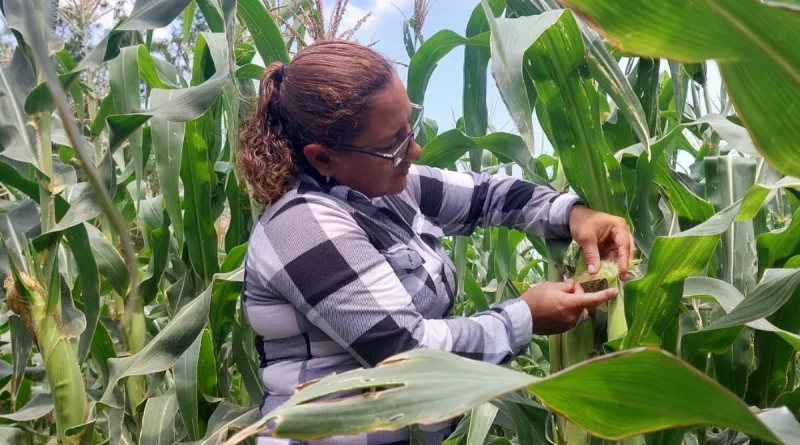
[[591, 268], [614, 291]]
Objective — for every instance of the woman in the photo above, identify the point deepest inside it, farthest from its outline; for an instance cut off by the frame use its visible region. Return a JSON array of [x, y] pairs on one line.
[[346, 266]]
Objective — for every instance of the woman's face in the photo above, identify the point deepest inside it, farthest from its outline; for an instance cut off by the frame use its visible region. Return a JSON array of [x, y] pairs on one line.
[[387, 127]]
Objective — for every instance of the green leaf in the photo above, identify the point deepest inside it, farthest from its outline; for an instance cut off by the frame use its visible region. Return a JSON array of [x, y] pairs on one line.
[[78, 240], [727, 180], [14, 12], [511, 39], [760, 194], [568, 107], [476, 61], [429, 54], [187, 390], [777, 247], [156, 73], [444, 150], [250, 71], [481, 420], [265, 32], [158, 420], [123, 74], [19, 139], [646, 90], [729, 298], [213, 14], [246, 358], [109, 262], [159, 248], [168, 140], [188, 18], [185, 104], [39, 406], [83, 205], [21, 344], [749, 40], [774, 290], [201, 237], [611, 396], [163, 351], [10, 435], [225, 417], [651, 301]]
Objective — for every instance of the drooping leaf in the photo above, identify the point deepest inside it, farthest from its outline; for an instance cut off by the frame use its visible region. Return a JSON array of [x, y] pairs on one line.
[[749, 40], [109, 262], [602, 396], [185, 104], [444, 150], [511, 39], [39, 406]]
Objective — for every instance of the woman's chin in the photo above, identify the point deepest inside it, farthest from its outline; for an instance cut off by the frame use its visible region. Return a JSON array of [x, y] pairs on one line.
[[397, 184]]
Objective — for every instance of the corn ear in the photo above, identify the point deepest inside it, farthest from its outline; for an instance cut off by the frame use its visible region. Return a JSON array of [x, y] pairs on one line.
[[58, 352]]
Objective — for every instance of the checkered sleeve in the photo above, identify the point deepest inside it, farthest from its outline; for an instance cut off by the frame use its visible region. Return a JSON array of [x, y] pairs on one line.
[[336, 277], [461, 201]]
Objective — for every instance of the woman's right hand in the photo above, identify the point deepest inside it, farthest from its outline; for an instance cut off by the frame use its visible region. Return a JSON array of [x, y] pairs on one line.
[[556, 307]]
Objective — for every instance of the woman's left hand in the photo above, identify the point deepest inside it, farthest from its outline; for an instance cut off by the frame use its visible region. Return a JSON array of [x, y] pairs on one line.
[[600, 233]]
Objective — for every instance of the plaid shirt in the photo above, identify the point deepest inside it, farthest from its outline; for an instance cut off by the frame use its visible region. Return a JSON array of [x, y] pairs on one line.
[[336, 281]]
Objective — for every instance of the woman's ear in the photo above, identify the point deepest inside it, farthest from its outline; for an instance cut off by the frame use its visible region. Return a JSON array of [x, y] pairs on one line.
[[320, 158]]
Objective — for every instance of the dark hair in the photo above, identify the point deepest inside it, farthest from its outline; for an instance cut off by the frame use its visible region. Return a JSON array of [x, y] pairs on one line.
[[321, 97]]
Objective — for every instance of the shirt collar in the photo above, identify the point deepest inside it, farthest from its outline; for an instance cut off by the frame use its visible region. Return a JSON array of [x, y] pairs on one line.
[[333, 188]]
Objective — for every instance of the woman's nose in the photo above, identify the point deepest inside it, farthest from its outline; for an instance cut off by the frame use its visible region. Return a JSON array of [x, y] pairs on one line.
[[414, 152]]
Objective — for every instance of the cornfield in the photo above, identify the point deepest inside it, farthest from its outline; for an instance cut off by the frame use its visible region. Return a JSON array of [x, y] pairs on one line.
[[124, 226]]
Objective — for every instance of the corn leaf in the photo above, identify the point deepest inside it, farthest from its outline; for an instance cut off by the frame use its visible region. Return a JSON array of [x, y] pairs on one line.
[[748, 39], [511, 39], [158, 420], [411, 393], [266, 34], [568, 108], [651, 301]]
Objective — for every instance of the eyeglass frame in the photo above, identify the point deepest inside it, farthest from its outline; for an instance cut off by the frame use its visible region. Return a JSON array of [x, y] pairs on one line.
[[406, 142]]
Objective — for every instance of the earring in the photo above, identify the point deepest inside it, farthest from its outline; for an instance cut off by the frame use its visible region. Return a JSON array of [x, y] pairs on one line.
[[327, 179]]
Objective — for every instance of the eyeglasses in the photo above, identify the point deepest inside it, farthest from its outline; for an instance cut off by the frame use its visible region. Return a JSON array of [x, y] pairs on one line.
[[399, 153]]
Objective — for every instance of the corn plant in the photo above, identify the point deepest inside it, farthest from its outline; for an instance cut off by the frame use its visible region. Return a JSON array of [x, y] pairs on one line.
[[124, 227]]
